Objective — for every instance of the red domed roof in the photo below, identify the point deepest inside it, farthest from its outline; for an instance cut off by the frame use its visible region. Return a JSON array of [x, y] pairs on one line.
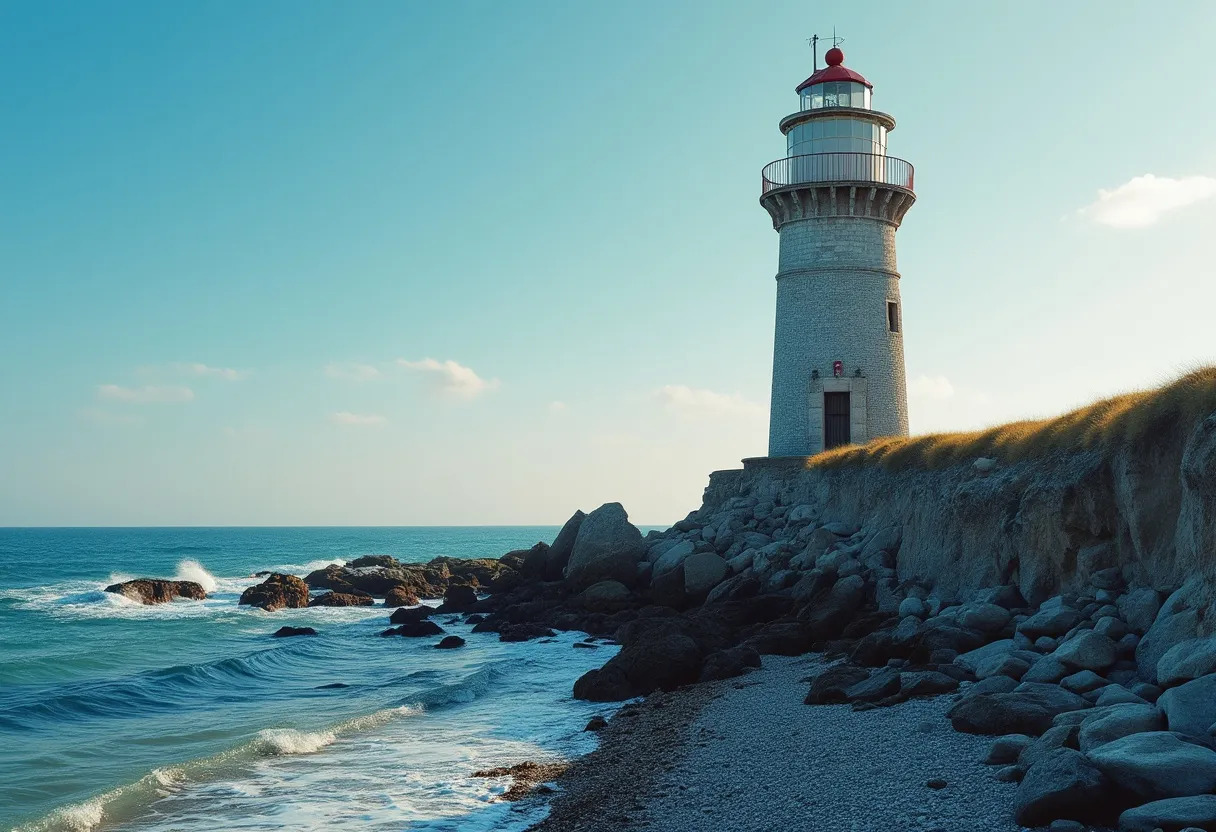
[[834, 71]]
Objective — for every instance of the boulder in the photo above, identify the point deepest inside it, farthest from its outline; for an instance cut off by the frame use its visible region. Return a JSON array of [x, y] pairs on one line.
[[401, 596], [1005, 750], [1087, 651], [1064, 784], [1002, 665], [1118, 695], [559, 552], [912, 606], [987, 618], [673, 556], [450, 643], [288, 632], [1083, 682], [1058, 736], [415, 629], [458, 598], [1173, 625], [1028, 709], [1053, 622], [1175, 814], [830, 686], [1190, 708], [1138, 608], [880, 549], [878, 685], [278, 591], [407, 615], [607, 547], [729, 663], [925, 683], [1156, 765], [1117, 722], [828, 614], [702, 572], [973, 659], [157, 591], [605, 596], [1187, 660], [342, 599], [524, 632], [664, 660]]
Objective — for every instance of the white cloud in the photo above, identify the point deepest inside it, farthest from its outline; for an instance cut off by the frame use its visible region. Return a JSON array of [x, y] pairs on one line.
[[692, 401], [358, 419], [1143, 200], [451, 378], [351, 370], [149, 394], [930, 387], [226, 373]]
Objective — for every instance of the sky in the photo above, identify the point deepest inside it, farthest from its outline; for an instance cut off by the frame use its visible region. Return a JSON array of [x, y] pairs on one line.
[[393, 263]]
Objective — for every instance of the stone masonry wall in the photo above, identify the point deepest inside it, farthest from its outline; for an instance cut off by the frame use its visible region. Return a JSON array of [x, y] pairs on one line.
[[835, 278]]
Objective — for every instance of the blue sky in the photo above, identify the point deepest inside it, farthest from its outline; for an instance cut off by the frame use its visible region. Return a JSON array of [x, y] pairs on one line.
[[406, 263]]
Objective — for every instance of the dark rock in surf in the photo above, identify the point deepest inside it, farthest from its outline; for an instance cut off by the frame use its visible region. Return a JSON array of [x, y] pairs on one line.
[[400, 596], [342, 599], [450, 643], [287, 632], [458, 598], [407, 615], [277, 592], [156, 591], [415, 629], [524, 632]]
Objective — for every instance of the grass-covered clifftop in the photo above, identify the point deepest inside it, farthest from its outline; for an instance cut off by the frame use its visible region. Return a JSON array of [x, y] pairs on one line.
[[1131, 419], [1128, 481]]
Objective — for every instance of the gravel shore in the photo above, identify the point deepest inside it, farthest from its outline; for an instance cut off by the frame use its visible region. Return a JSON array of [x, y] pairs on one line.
[[747, 754]]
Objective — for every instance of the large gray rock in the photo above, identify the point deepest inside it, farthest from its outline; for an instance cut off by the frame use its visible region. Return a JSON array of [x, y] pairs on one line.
[[673, 556], [1174, 814], [1117, 722], [1190, 708], [1062, 785], [1005, 750], [1156, 765], [1029, 709], [835, 609], [972, 659], [1176, 622], [880, 549], [605, 596], [1047, 670], [702, 572], [1138, 607], [607, 548], [1187, 660], [987, 618], [1087, 651], [1053, 622], [559, 553]]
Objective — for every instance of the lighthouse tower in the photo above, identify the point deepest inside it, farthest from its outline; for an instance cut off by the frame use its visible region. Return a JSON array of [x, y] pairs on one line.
[[836, 200]]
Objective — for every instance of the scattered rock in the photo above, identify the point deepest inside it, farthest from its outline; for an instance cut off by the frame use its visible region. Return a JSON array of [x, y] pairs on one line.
[[1006, 749], [1029, 709], [526, 777], [830, 686], [726, 664], [278, 591], [1157, 765], [1064, 784], [288, 632], [157, 591], [1175, 814], [341, 599], [524, 632], [596, 723]]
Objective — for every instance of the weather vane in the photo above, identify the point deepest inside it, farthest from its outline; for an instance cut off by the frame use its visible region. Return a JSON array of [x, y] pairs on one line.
[[813, 40]]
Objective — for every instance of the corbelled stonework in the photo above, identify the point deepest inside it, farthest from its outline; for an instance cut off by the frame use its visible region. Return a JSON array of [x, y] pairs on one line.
[[876, 201]]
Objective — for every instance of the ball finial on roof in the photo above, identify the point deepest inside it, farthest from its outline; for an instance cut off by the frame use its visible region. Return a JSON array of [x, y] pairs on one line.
[[834, 57]]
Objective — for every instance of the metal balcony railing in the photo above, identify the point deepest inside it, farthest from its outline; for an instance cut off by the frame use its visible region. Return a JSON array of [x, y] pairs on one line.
[[836, 167]]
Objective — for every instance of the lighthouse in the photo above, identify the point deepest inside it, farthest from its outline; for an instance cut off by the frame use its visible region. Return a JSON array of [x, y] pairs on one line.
[[836, 200]]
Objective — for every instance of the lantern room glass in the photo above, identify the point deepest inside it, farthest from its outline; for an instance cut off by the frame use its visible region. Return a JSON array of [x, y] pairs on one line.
[[836, 94]]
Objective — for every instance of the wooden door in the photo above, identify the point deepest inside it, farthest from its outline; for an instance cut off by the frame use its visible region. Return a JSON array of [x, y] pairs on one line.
[[836, 419]]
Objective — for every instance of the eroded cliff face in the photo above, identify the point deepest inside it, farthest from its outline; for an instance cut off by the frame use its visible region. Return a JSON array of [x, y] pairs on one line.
[[1046, 526]]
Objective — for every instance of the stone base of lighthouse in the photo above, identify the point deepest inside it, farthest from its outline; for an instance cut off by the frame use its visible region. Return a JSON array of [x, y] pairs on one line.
[[838, 358]]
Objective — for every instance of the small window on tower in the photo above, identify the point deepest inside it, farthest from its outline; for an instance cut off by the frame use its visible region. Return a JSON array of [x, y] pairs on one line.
[[893, 316]]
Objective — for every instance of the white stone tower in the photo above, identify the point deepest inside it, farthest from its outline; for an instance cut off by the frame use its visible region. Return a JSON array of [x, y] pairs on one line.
[[836, 200]]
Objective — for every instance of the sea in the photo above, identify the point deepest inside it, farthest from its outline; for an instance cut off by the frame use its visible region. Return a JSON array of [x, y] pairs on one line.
[[189, 716]]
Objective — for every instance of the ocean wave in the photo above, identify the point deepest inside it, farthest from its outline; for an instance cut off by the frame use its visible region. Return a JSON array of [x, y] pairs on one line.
[[130, 800], [192, 570]]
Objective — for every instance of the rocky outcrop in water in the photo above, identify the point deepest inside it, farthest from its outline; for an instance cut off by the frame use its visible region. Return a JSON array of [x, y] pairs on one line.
[[157, 591], [342, 599], [277, 592], [385, 576]]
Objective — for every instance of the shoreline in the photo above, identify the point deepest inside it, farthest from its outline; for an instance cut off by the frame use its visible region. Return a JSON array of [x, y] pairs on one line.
[[747, 753]]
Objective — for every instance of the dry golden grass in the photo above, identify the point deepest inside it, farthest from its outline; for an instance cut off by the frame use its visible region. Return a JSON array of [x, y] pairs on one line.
[[1109, 423]]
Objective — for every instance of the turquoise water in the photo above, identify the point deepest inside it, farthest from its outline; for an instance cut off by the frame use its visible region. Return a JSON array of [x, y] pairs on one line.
[[188, 716]]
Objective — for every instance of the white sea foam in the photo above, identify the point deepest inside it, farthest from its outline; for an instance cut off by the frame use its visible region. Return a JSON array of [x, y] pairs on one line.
[[78, 817], [291, 741], [192, 570]]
